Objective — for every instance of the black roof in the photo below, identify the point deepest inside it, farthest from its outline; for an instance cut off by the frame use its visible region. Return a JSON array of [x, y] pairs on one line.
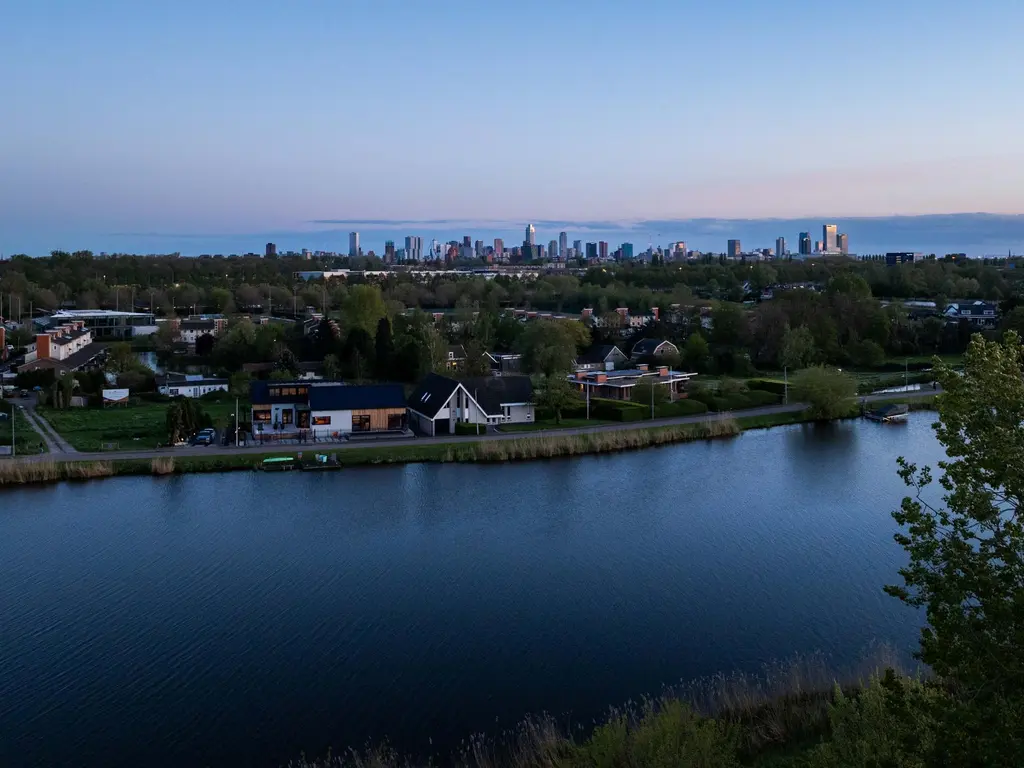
[[491, 392], [648, 346], [357, 397], [597, 354], [259, 392], [197, 324], [457, 351], [432, 393]]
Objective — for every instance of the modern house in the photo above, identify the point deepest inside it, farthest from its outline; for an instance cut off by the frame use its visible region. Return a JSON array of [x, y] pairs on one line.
[[618, 385], [504, 364], [601, 358], [439, 403], [188, 385], [654, 348], [980, 313], [106, 324], [191, 329], [63, 349], [325, 409]]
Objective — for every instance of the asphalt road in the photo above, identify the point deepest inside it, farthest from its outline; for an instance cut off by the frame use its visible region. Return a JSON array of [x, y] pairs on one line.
[[216, 450]]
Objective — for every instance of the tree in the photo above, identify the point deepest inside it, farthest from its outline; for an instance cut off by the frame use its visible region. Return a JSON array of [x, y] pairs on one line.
[[696, 353], [121, 358], [204, 345], [238, 383], [646, 391], [332, 367], [966, 556], [184, 418], [798, 349], [286, 363], [364, 308], [865, 353], [827, 391], [548, 347], [849, 284], [556, 395], [384, 348]]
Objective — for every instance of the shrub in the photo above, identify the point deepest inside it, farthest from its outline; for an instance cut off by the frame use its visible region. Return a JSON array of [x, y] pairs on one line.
[[767, 385], [758, 398], [685, 407], [617, 410]]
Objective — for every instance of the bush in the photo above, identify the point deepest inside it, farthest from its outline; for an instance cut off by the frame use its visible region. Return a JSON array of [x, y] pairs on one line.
[[758, 398], [685, 407], [462, 428], [218, 396], [617, 410], [767, 385]]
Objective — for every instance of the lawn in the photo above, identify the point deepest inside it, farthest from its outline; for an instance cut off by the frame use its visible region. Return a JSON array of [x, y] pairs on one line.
[[125, 428], [27, 440], [547, 424]]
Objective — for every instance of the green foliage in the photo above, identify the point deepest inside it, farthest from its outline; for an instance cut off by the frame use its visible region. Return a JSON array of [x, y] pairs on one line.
[[121, 358], [798, 348], [184, 418], [332, 366], [556, 395], [696, 353], [364, 308], [865, 353], [774, 386], [828, 392], [550, 346], [646, 391], [966, 564], [685, 407], [618, 410]]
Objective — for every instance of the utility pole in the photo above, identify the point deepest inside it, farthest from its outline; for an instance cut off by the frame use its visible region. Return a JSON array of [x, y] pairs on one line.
[[14, 450], [236, 422], [652, 399], [785, 392], [587, 385], [906, 372]]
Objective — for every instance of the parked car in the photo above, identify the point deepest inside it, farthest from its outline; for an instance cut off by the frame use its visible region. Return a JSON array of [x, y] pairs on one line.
[[205, 437]]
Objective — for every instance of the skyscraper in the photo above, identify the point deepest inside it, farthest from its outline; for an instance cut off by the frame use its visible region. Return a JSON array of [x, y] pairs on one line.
[[413, 248], [499, 248], [389, 251], [531, 234], [478, 247], [780, 247], [627, 251], [828, 238], [843, 243], [602, 250], [805, 243], [467, 241], [591, 251], [553, 249], [577, 246], [563, 244], [271, 250], [734, 250], [353, 243]]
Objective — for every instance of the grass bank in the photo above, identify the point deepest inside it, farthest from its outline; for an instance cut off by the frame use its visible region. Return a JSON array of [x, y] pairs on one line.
[[26, 440], [785, 717]]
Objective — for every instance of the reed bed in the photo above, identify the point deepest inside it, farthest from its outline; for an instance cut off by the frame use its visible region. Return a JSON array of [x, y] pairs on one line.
[[19, 473], [162, 466]]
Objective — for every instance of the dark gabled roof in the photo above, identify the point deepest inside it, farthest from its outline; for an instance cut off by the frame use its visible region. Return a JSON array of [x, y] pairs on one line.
[[598, 354], [73, 362], [432, 393], [492, 392], [259, 392], [69, 336], [457, 351], [648, 346], [344, 397]]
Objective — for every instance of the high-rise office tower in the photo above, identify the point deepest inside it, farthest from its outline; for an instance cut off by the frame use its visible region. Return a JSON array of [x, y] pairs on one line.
[[679, 251], [413, 248], [478, 246], [467, 241], [389, 251], [843, 243], [553, 249], [828, 238], [627, 251], [499, 248], [734, 250], [805, 243], [577, 245], [591, 251], [780, 247], [602, 250], [271, 250], [563, 244], [531, 235], [353, 243]]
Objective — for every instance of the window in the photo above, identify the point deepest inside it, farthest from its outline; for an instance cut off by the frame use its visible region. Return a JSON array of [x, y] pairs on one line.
[[321, 421], [174, 393], [396, 421], [263, 414], [287, 416], [361, 423], [275, 391], [426, 396]]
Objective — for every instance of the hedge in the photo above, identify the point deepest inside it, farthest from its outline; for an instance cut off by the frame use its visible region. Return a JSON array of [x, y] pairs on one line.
[[680, 408], [767, 385]]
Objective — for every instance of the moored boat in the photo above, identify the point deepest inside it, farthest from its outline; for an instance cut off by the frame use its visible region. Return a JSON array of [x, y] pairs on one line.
[[888, 414]]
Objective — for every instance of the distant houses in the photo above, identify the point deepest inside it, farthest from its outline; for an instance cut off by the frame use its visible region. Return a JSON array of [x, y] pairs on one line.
[[619, 384], [188, 385], [63, 349], [980, 313], [600, 358], [654, 349], [441, 403]]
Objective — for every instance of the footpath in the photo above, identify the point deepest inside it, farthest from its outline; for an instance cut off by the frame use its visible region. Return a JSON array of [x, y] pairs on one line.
[[61, 451]]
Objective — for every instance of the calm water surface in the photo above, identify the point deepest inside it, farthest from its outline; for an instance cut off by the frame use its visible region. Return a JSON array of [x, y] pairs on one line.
[[240, 619]]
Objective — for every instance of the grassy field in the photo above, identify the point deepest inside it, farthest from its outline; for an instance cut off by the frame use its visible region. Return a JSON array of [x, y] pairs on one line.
[[27, 440], [134, 427], [548, 424]]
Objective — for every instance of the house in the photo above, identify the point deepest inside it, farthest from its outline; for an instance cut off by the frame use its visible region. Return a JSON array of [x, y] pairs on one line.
[[456, 357], [190, 330], [601, 358], [618, 385], [107, 324], [980, 313], [504, 365], [63, 349], [311, 370], [654, 348], [325, 410], [188, 385], [439, 403]]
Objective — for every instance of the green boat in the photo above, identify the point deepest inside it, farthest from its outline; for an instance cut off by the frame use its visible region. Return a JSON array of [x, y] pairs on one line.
[[278, 464]]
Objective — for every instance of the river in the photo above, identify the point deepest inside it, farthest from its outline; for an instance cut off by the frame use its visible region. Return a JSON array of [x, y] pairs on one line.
[[241, 619]]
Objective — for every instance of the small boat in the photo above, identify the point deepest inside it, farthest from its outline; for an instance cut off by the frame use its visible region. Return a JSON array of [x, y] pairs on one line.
[[321, 462], [889, 414], [279, 464]]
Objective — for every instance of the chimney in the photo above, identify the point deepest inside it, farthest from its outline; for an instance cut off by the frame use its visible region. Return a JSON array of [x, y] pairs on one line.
[[663, 370], [587, 312], [600, 378], [656, 313], [641, 366]]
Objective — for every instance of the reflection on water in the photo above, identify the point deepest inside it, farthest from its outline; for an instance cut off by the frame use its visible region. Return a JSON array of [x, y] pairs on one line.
[[240, 619]]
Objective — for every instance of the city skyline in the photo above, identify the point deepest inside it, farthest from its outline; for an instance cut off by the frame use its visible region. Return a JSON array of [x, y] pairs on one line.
[[143, 121]]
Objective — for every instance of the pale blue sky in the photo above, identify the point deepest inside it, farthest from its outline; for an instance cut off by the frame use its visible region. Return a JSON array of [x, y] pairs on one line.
[[250, 115]]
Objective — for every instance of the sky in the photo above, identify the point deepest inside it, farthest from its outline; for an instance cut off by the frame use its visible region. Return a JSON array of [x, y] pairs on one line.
[[123, 119]]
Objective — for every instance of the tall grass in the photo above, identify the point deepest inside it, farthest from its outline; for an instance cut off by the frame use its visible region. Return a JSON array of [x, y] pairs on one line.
[[18, 473], [163, 465]]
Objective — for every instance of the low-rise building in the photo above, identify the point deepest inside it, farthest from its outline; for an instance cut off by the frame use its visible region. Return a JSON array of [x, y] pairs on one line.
[[618, 385], [440, 403], [325, 409], [63, 348], [456, 357], [106, 324], [188, 385], [654, 348], [601, 358], [984, 314]]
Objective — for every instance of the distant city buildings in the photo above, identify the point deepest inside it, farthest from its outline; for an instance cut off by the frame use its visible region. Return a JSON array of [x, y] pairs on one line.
[[271, 250], [563, 245], [591, 251], [531, 235], [499, 248], [389, 251], [805, 243], [734, 250], [844, 243], [627, 251], [577, 246], [602, 250], [353, 244], [829, 238], [414, 248], [553, 249], [780, 247]]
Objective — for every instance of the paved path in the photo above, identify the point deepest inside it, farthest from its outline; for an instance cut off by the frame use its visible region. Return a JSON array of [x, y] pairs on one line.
[[217, 450], [55, 444]]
